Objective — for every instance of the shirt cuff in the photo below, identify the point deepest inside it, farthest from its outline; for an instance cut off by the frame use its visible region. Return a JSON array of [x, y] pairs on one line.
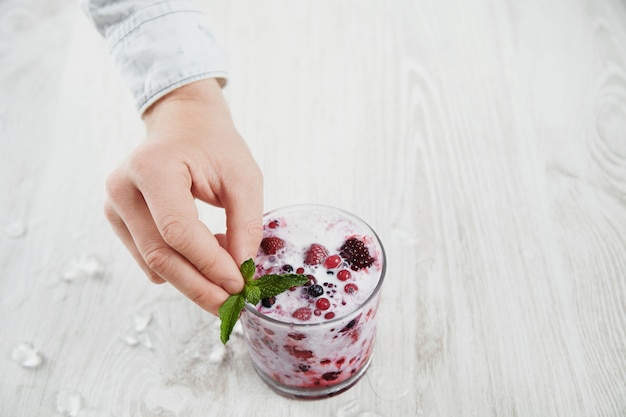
[[162, 47]]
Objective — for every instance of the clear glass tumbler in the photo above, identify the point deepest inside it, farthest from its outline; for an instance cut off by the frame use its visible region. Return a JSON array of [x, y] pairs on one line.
[[316, 341]]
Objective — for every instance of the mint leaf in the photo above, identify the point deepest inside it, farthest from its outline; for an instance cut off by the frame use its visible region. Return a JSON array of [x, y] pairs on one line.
[[229, 314], [247, 269], [253, 290], [271, 285], [252, 294]]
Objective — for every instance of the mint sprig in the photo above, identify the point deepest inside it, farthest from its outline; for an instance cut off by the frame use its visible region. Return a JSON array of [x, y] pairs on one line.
[[254, 290]]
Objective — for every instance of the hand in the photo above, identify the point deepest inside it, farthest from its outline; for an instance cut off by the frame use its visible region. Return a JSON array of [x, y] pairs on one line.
[[192, 150]]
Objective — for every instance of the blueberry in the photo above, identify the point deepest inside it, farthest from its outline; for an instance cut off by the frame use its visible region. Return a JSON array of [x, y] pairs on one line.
[[315, 290], [287, 268], [268, 302]]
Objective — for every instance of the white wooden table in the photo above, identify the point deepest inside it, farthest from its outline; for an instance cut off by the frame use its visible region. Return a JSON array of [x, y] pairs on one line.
[[486, 143]]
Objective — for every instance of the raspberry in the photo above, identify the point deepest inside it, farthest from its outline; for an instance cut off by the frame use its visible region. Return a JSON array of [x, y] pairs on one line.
[[356, 254], [271, 245], [315, 254], [303, 314]]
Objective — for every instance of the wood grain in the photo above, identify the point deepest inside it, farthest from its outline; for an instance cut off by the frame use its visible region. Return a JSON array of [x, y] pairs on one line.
[[485, 142]]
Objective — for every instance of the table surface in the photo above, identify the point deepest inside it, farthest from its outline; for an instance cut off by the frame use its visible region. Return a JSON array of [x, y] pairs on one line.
[[485, 141]]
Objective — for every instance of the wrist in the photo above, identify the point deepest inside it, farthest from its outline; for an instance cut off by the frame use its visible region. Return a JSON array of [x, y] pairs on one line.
[[195, 101]]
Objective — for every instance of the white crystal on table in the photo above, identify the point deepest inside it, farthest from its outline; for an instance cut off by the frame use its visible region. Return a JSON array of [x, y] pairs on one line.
[[141, 321], [27, 356], [15, 230], [69, 403], [82, 268]]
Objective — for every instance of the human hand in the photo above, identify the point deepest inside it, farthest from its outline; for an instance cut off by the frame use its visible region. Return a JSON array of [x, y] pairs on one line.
[[192, 150]]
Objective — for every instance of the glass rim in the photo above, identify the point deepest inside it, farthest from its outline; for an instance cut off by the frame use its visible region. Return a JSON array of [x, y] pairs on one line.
[[252, 309]]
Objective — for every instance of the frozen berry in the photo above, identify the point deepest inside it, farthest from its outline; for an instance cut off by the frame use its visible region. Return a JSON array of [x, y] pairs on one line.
[[322, 304], [331, 376], [268, 302], [356, 254], [315, 255], [350, 288], [287, 268], [298, 353], [303, 314], [312, 280], [332, 261], [271, 245], [351, 324], [315, 290], [344, 275], [273, 224]]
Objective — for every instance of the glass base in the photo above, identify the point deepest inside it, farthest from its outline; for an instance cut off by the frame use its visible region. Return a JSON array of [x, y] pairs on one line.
[[313, 393]]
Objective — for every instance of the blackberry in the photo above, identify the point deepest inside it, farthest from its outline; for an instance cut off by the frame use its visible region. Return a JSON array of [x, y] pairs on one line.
[[315, 290], [356, 254]]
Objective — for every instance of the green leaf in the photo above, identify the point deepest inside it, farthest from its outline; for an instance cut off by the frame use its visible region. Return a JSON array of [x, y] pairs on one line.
[[271, 285], [247, 269], [252, 293], [253, 290], [229, 314]]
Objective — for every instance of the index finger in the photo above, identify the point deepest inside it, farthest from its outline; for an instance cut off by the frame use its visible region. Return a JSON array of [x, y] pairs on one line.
[[175, 214], [244, 220]]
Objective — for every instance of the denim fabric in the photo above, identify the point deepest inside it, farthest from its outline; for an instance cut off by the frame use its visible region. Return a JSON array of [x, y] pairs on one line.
[[157, 46]]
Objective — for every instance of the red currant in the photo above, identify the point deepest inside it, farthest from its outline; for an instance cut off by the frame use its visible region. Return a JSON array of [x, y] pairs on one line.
[[322, 304], [350, 288], [273, 224], [332, 261], [344, 275]]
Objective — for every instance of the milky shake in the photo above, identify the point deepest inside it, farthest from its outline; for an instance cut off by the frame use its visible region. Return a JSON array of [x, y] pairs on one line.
[[316, 340]]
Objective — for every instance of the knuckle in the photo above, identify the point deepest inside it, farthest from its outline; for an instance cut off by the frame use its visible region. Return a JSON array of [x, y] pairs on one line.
[[141, 160], [174, 231], [159, 260], [116, 186], [110, 213], [254, 228]]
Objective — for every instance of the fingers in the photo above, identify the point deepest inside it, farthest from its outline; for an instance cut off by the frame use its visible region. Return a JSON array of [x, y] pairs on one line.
[[244, 212], [133, 222], [173, 210], [122, 232]]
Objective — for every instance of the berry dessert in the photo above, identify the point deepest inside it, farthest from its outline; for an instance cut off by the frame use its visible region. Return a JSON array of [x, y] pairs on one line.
[[316, 340]]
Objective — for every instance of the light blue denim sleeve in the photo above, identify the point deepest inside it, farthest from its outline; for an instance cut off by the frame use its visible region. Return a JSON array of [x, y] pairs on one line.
[[157, 46]]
